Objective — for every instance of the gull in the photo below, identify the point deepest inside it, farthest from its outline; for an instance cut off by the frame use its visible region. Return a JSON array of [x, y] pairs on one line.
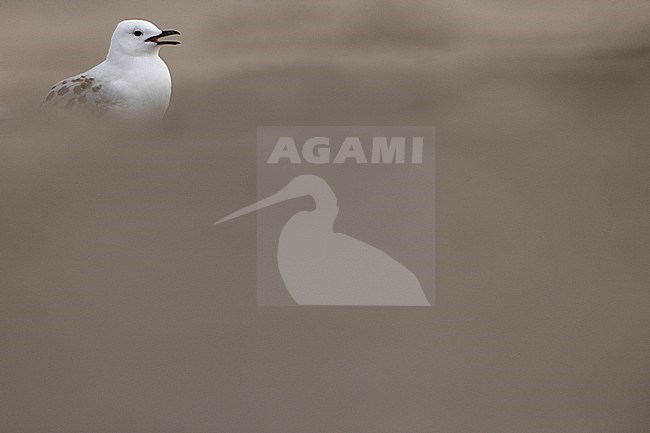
[[132, 81]]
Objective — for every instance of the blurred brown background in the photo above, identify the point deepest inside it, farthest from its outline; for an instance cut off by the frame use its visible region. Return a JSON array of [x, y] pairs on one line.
[[123, 309]]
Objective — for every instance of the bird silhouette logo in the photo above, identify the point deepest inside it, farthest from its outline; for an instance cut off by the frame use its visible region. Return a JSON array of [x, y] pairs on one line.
[[321, 267]]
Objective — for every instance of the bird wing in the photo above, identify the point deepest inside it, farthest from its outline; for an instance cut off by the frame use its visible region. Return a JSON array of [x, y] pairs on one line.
[[79, 91]]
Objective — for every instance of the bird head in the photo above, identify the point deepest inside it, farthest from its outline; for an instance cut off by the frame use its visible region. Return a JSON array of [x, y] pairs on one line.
[[139, 38]]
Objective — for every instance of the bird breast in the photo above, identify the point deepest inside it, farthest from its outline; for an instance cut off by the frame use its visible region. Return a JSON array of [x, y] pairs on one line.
[[144, 86]]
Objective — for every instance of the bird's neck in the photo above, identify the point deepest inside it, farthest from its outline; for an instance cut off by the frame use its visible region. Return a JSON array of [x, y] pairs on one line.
[[118, 58]]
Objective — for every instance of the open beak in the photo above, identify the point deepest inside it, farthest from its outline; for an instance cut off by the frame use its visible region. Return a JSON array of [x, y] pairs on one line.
[[162, 35]]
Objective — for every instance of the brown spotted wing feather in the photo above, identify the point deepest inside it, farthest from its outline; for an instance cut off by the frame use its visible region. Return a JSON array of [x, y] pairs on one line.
[[81, 91]]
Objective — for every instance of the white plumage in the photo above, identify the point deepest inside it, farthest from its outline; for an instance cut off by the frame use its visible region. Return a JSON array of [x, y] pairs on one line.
[[133, 80]]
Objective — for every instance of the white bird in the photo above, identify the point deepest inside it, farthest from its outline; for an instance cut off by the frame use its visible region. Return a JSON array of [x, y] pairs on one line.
[[322, 267], [133, 80]]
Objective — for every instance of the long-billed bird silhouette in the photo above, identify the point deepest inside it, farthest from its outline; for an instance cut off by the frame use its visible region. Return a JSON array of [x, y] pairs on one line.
[[322, 267]]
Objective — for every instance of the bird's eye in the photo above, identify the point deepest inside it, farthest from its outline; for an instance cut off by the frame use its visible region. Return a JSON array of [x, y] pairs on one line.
[[138, 33]]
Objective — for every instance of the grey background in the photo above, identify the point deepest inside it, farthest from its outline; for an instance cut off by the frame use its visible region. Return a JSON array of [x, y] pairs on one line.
[[124, 309]]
